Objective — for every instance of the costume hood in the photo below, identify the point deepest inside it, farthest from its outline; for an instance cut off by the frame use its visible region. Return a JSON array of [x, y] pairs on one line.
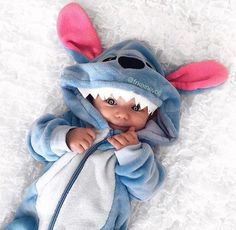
[[128, 69]]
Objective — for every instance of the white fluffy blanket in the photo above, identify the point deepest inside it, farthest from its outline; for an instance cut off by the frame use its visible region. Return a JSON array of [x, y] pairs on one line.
[[200, 189]]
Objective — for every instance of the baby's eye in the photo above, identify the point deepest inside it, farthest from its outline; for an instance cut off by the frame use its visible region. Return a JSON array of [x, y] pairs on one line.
[[136, 107], [111, 101]]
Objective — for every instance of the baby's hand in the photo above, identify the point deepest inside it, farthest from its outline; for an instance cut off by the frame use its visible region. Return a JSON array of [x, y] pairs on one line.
[[80, 139], [122, 140]]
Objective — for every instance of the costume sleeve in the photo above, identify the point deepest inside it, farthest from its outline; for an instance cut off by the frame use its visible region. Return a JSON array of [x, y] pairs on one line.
[[139, 170], [46, 139]]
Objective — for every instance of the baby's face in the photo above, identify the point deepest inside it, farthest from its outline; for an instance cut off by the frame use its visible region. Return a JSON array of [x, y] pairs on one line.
[[120, 114]]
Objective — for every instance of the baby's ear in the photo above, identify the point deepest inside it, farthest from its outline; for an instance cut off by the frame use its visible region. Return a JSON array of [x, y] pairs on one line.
[[198, 76], [77, 33]]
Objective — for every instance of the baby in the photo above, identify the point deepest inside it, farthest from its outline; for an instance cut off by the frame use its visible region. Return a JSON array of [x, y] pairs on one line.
[[109, 124], [99, 155]]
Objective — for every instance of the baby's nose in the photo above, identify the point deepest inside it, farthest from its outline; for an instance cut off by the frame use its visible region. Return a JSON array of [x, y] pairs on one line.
[[122, 114]]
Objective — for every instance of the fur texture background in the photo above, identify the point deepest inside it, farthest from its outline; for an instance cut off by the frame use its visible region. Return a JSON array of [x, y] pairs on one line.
[[200, 189]]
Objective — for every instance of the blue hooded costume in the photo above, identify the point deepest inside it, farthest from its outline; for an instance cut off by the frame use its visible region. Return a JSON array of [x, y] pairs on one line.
[[94, 190]]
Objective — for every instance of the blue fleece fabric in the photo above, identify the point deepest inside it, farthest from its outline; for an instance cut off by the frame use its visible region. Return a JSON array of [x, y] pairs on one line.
[[26, 215]]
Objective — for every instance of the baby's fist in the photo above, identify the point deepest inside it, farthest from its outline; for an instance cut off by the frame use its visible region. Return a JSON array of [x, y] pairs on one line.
[[122, 140], [80, 139]]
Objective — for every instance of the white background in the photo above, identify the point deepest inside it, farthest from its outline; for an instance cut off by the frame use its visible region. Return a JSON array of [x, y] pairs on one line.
[[200, 189]]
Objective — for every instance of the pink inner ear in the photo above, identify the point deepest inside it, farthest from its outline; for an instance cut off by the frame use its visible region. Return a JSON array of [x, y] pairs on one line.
[[76, 31], [198, 75]]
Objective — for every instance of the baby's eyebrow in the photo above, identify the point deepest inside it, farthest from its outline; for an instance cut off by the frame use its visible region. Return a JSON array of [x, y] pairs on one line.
[[110, 97], [134, 104]]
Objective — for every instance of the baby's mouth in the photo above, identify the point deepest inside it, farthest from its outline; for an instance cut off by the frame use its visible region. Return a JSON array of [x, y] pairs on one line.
[[119, 127]]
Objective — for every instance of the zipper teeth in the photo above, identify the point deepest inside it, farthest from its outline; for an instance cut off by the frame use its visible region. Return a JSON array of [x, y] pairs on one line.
[[70, 184]]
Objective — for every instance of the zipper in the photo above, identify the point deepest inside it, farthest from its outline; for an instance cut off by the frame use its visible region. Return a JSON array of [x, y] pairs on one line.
[[73, 179]]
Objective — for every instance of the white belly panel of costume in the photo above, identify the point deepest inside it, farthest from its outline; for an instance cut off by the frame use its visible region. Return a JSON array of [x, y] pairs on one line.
[[88, 202]]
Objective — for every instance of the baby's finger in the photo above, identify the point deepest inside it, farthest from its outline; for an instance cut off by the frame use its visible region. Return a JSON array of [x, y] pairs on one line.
[[121, 138], [116, 144], [131, 129], [85, 144], [129, 136], [80, 149], [91, 133], [89, 138]]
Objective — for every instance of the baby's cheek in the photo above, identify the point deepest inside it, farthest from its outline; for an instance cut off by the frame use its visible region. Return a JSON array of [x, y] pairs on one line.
[[141, 123], [105, 113]]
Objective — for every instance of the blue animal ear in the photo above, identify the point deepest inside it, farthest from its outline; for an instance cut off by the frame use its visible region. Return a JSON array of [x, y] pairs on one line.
[[77, 33], [198, 76]]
